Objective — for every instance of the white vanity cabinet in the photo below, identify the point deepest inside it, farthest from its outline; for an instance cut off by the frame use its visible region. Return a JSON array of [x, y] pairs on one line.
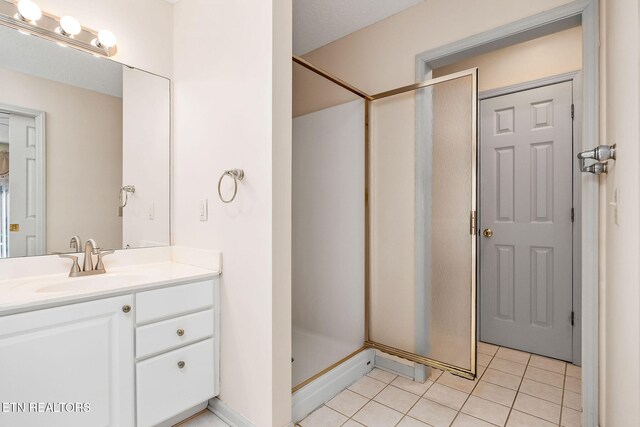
[[176, 350], [147, 358], [77, 354]]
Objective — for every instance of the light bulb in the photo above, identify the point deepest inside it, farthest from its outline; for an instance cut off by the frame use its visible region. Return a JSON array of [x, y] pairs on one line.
[[29, 11], [70, 26], [106, 39]]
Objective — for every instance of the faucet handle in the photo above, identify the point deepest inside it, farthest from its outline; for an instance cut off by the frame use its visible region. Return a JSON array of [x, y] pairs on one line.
[[100, 254], [75, 268]]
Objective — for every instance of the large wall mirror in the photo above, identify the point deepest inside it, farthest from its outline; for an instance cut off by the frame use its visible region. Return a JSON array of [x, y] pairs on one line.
[[84, 150]]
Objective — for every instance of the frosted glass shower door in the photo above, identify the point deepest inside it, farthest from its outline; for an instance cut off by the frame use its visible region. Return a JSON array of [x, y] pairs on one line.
[[421, 295]]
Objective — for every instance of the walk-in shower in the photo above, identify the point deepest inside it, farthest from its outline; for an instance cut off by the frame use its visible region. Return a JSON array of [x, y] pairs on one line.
[[385, 189]]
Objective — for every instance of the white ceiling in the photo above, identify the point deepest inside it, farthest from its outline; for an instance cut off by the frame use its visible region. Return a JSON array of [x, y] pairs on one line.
[[319, 22]]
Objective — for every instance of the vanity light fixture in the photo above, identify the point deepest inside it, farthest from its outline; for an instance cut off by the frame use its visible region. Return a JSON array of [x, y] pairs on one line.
[[26, 17], [106, 39], [69, 26], [28, 11]]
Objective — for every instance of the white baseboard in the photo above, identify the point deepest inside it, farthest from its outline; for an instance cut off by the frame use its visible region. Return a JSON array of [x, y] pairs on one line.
[[323, 389], [227, 414]]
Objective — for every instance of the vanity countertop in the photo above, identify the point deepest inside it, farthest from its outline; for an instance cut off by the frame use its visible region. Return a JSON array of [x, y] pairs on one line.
[[29, 293]]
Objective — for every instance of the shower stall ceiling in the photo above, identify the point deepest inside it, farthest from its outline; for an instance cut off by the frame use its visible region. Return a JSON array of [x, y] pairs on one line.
[[384, 204]]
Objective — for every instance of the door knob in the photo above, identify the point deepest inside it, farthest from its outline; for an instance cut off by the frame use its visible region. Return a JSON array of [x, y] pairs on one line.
[[487, 232]]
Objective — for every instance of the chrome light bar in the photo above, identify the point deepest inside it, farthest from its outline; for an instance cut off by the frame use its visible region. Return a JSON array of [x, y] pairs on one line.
[[49, 27]]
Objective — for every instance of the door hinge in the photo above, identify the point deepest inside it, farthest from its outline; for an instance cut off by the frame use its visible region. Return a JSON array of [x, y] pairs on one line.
[[472, 223], [573, 215], [573, 318], [573, 111]]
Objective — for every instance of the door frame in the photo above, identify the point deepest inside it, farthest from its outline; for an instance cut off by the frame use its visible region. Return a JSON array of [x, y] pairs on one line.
[[576, 78], [586, 13], [41, 171]]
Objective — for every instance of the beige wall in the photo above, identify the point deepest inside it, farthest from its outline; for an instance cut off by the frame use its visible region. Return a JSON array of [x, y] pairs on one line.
[[232, 100], [83, 144], [546, 56], [312, 92], [535, 59], [382, 57], [620, 101]]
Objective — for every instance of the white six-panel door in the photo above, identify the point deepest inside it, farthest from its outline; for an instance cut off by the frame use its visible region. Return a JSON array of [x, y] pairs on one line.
[[526, 202], [23, 181]]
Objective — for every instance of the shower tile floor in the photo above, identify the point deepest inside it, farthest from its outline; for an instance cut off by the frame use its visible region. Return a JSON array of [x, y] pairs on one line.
[[513, 389]]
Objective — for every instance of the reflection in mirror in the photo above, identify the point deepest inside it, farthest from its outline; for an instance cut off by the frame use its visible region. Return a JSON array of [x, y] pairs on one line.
[[75, 131]]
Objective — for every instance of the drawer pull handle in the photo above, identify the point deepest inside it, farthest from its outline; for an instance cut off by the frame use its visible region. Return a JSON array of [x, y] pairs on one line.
[[181, 364], [180, 332], [126, 308]]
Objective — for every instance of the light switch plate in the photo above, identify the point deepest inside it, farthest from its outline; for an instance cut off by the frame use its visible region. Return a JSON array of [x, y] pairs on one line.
[[616, 209], [615, 205], [204, 211]]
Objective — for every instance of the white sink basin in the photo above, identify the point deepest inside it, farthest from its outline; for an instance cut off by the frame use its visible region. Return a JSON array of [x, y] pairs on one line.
[[97, 282], [30, 292]]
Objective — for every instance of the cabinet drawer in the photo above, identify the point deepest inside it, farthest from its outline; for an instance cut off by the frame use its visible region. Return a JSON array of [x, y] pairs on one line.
[[172, 333], [173, 301], [165, 390]]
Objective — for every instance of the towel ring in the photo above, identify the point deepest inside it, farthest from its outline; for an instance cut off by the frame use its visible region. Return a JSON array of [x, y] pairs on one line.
[[126, 190], [237, 175]]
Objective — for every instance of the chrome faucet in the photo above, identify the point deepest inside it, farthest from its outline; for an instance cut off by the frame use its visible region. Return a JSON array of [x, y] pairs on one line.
[[90, 248], [75, 243]]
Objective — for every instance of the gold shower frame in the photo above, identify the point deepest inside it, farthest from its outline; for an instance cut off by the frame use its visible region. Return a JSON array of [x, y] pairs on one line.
[[368, 99]]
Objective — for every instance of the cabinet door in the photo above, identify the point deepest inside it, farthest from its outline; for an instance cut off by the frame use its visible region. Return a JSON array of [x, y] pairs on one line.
[[68, 366], [174, 382]]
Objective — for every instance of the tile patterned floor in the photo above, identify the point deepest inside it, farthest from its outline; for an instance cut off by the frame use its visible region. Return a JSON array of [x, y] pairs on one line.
[[205, 418], [513, 389]]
